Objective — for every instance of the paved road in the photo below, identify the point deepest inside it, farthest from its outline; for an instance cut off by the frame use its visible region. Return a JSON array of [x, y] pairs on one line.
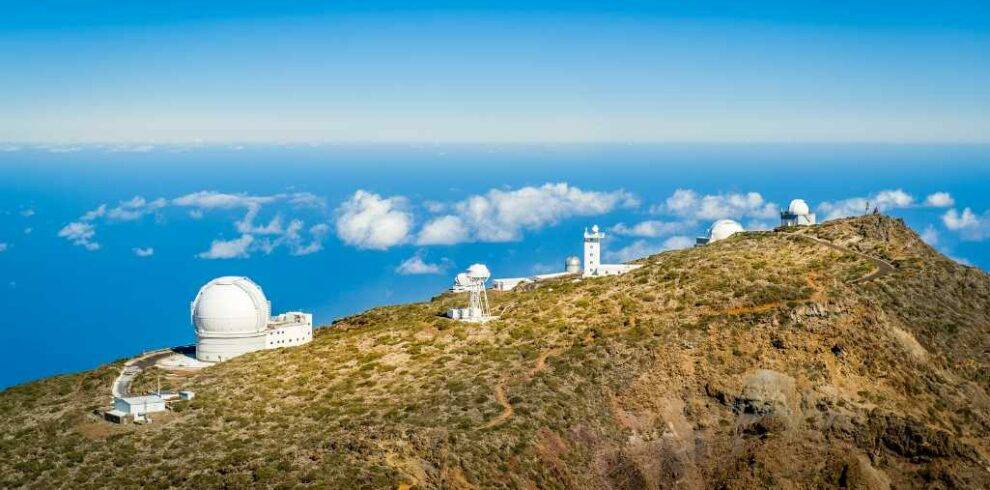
[[122, 385]]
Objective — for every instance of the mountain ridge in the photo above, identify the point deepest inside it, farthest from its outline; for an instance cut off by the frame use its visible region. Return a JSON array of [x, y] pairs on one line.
[[848, 354]]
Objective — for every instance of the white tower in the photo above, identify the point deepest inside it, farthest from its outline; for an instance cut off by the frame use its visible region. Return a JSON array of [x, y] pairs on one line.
[[592, 250]]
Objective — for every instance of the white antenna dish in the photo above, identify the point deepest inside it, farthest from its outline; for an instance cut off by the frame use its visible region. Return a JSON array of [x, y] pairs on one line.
[[479, 272]]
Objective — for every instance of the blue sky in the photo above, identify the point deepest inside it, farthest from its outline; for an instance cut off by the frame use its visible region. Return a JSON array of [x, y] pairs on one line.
[[907, 72]]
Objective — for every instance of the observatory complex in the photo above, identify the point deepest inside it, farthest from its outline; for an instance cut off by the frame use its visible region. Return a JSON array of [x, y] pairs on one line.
[[233, 317], [797, 214], [720, 230]]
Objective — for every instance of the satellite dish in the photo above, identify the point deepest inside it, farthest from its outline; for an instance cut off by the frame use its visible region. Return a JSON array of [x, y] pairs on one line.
[[479, 272], [462, 279]]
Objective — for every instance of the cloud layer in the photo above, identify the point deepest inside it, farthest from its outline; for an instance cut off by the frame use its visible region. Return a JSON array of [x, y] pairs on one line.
[[502, 215]]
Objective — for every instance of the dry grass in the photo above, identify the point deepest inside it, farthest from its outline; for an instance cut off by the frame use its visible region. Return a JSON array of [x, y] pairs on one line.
[[589, 384]]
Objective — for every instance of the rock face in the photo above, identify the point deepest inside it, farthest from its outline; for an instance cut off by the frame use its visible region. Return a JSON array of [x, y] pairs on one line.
[[844, 355]]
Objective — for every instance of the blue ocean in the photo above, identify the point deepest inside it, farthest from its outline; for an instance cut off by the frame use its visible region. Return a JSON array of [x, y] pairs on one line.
[[121, 280]]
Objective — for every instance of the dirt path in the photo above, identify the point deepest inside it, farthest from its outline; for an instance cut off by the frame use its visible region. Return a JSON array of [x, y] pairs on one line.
[[882, 266], [499, 389]]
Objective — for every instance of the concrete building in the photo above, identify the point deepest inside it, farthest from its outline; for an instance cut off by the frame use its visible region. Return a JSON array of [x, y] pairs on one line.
[[509, 283], [593, 255], [720, 230], [797, 214], [232, 317], [137, 406]]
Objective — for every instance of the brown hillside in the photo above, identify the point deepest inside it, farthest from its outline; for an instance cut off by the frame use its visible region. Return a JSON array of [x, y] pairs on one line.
[[843, 355]]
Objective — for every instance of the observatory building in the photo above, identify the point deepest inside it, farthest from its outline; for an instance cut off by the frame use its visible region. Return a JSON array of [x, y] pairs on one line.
[[232, 316], [797, 214], [720, 230], [473, 282], [593, 256]]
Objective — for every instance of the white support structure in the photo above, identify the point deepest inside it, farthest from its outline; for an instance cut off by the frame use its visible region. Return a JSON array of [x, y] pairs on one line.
[[473, 282]]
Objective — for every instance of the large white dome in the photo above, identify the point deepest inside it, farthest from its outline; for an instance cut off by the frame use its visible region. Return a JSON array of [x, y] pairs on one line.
[[722, 229], [230, 305], [799, 207]]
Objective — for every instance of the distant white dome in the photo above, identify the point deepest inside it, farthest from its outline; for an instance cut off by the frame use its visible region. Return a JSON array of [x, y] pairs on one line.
[[572, 264], [479, 272], [799, 207], [230, 305], [722, 229]]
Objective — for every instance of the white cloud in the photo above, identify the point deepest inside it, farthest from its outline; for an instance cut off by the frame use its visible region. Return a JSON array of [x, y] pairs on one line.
[[642, 248], [143, 252], [96, 213], [930, 236], [502, 215], [940, 200], [135, 208], [416, 265], [228, 249], [367, 220], [884, 200], [207, 200], [445, 230], [27, 213], [650, 228], [80, 233], [3, 247], [273, 234], [686, 203], [27, 231], [968, 224]]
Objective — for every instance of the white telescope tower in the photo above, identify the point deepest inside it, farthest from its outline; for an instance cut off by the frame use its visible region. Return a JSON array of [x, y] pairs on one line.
[[473, 281]]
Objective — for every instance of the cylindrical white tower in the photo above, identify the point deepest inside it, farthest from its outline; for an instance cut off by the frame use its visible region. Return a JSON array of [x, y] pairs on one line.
[[572, 265], [231, 315]]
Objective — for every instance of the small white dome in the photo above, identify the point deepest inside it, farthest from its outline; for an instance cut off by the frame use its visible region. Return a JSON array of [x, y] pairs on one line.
[[573, 260], [462, 279], [230, 305], [799, 207], [479, 272], [722, 229]]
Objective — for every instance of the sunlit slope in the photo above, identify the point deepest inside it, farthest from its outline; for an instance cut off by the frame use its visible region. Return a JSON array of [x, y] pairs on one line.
[[840, 355]]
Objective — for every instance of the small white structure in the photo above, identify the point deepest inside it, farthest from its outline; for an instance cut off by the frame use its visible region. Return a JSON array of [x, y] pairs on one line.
[[797, 214], [232, 317], [509, 283], [572, 265], [138, 406], [593, 254], [473, 282], [720, 230]]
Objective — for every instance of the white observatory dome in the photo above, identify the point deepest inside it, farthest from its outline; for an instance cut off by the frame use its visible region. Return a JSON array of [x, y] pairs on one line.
[[479, 272], [572, 264], [799, 207], [230, 305], [722, 229]]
